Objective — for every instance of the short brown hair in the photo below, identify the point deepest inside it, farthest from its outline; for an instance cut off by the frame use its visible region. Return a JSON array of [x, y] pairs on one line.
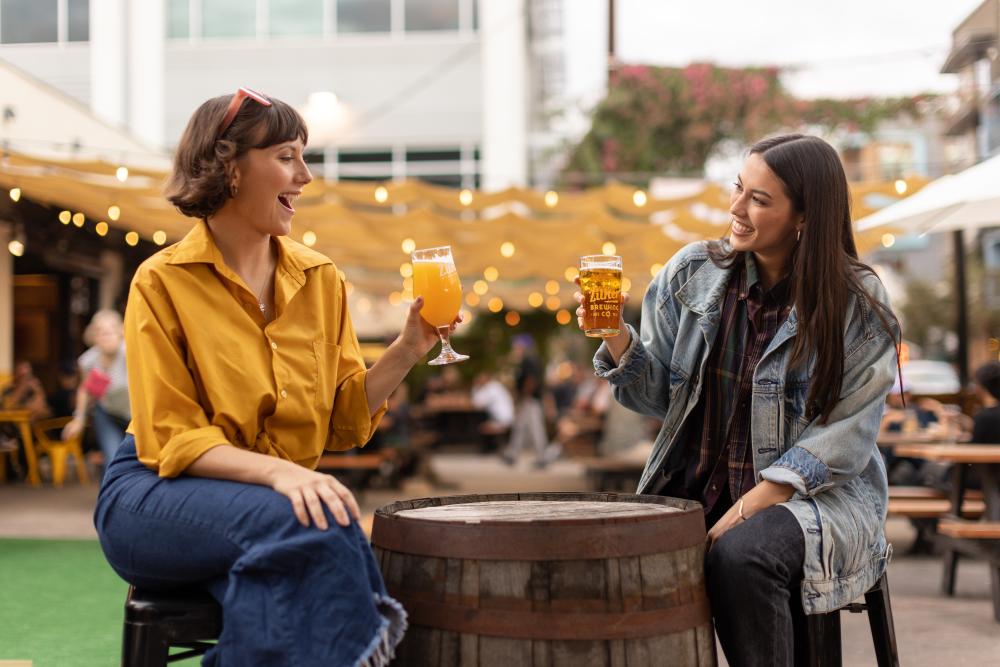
[[199, 183]]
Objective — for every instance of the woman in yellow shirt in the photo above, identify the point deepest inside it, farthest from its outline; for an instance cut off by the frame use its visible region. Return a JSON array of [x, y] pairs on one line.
[[243, 369]]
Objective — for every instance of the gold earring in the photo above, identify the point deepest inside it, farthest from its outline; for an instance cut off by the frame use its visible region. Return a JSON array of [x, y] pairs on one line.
[[798, 235]]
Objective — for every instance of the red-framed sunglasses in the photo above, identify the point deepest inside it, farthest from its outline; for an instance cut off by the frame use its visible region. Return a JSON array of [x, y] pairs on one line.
[[236, 102]]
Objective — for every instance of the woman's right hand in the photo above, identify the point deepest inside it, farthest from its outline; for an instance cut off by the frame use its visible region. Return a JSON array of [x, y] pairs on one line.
[[72, 428], [616, 344], [309, 490]]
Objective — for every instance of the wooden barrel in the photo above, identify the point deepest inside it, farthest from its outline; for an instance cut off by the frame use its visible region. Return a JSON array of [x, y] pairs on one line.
[[553, 579]]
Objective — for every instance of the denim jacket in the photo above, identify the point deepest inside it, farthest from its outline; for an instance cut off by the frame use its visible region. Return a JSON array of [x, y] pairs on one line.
[[836, 469]]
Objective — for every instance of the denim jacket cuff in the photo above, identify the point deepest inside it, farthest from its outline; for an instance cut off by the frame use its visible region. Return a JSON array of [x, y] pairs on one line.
[[628, 369], [801, 469]]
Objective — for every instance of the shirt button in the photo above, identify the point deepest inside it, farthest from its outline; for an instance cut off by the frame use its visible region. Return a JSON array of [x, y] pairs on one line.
[[274, 346], [284, 394]]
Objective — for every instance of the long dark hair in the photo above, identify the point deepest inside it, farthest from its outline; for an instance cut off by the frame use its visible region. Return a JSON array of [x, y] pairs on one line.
[[825, 268]]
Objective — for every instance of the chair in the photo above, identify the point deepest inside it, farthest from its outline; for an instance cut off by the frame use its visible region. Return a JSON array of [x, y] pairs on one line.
[[824, 630], [156, 621], [58, 450]]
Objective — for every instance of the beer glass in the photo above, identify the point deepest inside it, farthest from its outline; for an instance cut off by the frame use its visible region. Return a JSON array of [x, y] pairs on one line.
[[436, 279], [601, 284]]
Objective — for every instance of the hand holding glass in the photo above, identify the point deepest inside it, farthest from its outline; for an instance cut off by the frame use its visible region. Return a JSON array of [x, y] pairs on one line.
[[435, 278], [601, 285]]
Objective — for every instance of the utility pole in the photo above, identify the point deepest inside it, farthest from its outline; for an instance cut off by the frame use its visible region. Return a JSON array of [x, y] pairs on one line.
[[612, 59]]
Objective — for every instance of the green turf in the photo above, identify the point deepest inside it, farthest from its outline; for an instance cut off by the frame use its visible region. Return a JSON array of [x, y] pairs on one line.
[[60, 604]]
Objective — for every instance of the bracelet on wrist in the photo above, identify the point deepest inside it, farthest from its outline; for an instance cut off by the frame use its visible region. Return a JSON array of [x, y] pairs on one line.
[[739, 510]]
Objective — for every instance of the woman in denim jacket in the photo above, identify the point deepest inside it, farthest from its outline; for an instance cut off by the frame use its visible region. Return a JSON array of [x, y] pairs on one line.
[[768, 357]]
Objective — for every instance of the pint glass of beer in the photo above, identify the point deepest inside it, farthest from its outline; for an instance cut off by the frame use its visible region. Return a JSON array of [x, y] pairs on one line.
[[436, 279], [601, 285]]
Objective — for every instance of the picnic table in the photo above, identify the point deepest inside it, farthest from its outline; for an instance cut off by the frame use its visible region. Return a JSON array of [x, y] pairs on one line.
[[978, 539]]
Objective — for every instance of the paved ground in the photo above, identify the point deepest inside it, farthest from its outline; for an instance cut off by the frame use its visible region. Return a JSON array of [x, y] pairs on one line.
[[932, 630]]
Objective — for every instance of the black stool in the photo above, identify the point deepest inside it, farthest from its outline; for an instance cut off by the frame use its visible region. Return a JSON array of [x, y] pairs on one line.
[[824, 629], [156, 621]]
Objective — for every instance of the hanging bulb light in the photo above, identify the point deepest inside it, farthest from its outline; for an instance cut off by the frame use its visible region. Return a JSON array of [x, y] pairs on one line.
[[15, 194], [121, 173]]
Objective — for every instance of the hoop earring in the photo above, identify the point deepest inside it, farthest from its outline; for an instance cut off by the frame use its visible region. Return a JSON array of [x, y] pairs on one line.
[[798, 235], [233, 189]]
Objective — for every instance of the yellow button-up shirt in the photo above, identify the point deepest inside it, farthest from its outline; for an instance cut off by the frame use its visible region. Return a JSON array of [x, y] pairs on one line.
[[205, 369]]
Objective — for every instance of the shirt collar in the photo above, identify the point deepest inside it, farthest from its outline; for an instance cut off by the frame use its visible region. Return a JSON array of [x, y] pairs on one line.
[[198, 247], [750, 285]]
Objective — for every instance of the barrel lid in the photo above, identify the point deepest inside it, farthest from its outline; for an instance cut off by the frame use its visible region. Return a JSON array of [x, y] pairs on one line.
[[530, 511]]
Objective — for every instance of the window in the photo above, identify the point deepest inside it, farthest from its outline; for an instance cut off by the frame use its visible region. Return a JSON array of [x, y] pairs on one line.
[[363, 16], [373, 164], [78, 20], [547, 18], [431, 15], [29, 21], [228, 18], [433, 155], [296, 17], [178, 19]]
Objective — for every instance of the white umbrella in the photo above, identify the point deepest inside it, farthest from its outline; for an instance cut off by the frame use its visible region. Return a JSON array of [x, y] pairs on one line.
[[967, 200]]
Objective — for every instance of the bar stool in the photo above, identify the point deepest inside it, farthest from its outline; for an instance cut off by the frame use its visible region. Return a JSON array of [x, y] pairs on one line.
[[824, 629], [155, 621]]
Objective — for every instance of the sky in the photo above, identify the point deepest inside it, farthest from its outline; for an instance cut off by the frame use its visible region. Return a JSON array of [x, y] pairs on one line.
[[841, 48]]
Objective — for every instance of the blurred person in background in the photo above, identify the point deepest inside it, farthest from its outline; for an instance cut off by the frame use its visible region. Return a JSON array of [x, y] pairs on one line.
[[489, 394], [24, 393], [103, 390], [986, 422], [528, 429], [244, 368], [63, 399]]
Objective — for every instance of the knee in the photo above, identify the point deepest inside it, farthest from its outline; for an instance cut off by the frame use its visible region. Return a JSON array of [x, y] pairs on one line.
[[725, 560]]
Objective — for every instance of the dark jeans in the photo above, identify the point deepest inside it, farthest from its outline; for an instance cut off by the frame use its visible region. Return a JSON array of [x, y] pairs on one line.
[[290, 595], [754, 573]]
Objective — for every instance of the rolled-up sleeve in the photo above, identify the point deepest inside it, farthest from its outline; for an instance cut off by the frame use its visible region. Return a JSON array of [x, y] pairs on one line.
[[170, 427], [351, 423]]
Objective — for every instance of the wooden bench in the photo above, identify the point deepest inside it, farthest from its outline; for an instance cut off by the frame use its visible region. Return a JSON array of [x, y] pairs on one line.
[[357, 470], [933, 508], [976, 530], [915, 492]]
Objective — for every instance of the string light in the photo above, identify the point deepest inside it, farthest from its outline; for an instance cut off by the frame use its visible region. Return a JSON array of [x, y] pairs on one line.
[[639, 199], [364, 305], [552, 287], [406, 269], [16, 248], [472, 299], [15, 194], [65, 217], [101, 228], [900, 186], [535, 299], [466, 316], [408, 284], [491, 273], [563, 317], [654, 269], [132, 238], [480, 287], [507, 249], [512, 318], [495, 304], [888, 240], [551, 198], [395, 298], [114, 213], [309, 238], [571, 273], [121, 173], [159, 237], [553, 303], [609, 248], [79, 219], [381, 194], [408, 246], [626, 285], [465, 197]]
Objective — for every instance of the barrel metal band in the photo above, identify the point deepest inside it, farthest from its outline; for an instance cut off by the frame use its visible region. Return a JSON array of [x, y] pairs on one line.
[[534, 542], [555, 625]]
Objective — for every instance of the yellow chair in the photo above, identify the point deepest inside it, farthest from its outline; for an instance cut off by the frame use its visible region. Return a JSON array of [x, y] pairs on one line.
[[58, 450]]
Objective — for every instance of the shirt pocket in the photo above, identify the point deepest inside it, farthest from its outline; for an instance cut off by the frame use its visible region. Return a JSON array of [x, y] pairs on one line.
[[327, 357], [795, 420]]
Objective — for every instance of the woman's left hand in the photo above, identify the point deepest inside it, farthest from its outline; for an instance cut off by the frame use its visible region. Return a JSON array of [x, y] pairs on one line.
[[418, 336], [760, 497]]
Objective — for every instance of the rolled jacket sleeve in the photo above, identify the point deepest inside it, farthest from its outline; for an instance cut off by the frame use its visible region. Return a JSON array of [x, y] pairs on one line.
[[170, 427]]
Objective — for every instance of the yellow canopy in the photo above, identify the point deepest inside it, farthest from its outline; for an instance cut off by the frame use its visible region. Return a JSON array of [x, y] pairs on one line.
[[529, 237]]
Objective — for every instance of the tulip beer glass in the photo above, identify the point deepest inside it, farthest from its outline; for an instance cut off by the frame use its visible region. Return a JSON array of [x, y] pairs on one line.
[[601, 285], [436, 279]]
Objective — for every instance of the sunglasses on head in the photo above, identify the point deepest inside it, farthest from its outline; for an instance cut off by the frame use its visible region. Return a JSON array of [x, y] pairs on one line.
[[236, 102]]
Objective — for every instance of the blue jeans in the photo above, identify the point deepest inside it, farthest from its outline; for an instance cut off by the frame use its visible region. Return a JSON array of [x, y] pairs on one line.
[[109, 431], [290, 595], [754, 573]]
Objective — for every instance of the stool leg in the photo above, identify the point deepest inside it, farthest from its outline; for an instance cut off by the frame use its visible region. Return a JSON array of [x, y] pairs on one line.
[[57, 455], [948, 573], [81, 465], [824, 640], [143, 646], [880, 620]]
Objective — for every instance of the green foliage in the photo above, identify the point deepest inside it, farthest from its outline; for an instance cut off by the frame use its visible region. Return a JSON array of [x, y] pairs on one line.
[[667, 120]]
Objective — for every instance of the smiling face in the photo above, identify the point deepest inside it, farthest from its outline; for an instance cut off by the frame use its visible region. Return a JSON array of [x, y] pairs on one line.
[[764, 219], [268, 181]]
